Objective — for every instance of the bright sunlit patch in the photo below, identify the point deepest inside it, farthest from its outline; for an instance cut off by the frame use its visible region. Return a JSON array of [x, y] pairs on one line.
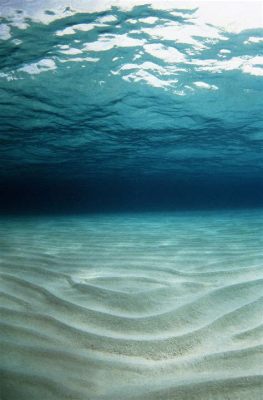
[[106, 19], [46, 64], [74, 28], [231, 16], [166, 53], [252, 70], [80, 59], [224, 51], [246, 64], [107, 42], [148, 20], [149, 78], [192, 33], [205, 85], [5, 32], [71, 51], [254, 39]]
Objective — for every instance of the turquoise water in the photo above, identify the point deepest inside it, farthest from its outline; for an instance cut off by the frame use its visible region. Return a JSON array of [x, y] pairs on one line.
[[98, 102], [131, 198]]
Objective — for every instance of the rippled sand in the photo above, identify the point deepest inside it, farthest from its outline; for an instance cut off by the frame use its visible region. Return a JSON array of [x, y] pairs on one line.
[[151, 306]]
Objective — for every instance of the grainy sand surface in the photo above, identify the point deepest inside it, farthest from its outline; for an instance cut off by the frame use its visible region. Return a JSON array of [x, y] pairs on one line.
[[138, 306]]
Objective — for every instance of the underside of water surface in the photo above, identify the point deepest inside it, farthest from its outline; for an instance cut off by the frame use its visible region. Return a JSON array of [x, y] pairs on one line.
[[131, 200]]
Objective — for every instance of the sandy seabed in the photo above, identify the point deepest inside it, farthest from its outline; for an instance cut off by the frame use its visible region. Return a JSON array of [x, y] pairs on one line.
[[132, 306]]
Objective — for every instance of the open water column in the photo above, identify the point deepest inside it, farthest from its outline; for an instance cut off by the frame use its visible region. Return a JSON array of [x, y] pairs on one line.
[[131, 194]]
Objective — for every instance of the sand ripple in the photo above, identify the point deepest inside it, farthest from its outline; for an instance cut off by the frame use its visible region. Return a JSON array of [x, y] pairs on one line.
[[132, 307]]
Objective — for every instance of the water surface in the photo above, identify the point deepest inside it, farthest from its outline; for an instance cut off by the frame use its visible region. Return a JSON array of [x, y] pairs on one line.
[[133, 106]]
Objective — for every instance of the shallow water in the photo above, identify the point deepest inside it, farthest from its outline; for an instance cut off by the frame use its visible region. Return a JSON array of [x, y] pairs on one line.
[[120, 121], [134, 306]]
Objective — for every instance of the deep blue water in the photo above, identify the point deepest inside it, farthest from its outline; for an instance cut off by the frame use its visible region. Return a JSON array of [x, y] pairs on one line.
[[136, 108]]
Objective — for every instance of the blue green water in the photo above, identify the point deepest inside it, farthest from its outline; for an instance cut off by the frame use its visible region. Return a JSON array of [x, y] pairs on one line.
[[146, 106], [131, 200]]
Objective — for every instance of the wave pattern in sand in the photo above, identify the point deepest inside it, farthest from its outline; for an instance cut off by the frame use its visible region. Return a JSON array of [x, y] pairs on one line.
[[132, 307]]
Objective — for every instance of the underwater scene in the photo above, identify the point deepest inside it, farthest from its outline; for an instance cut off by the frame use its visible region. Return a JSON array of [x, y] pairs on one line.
[[131, 200]]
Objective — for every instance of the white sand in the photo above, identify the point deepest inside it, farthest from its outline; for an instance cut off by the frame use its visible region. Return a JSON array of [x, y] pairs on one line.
[[150, 306]]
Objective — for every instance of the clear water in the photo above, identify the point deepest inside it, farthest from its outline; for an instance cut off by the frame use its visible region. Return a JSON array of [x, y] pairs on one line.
[[155, 306], [100, 102], [131, 198]]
